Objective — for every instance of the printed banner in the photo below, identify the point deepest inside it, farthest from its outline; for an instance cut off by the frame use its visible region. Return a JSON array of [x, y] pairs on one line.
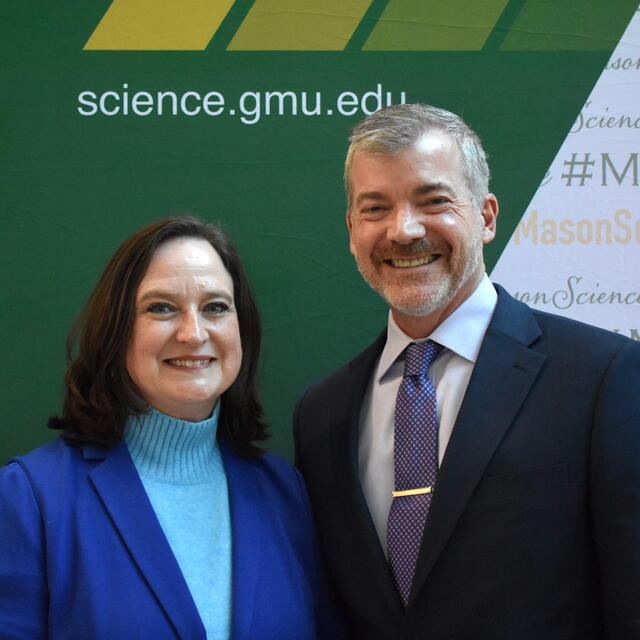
[[576, 250]]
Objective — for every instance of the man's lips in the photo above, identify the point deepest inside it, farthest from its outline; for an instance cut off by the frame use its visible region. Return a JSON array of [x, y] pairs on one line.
[[190, 362], [412, 261]]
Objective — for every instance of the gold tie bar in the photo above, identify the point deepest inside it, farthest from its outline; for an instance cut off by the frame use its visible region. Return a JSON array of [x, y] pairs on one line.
[[411, 492]]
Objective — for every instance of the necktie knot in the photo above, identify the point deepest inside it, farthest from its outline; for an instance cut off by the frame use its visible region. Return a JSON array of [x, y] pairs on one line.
[[419, 356]]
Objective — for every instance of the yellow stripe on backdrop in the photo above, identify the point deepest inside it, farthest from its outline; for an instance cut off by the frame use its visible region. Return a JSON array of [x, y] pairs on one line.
[[299, 25], [152, 25]]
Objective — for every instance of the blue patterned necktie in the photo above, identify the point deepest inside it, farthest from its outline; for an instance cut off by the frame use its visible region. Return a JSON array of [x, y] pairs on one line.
[[416, 463]]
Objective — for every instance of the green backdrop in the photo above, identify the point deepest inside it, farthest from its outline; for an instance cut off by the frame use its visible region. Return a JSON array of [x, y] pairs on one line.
[[75, 184]]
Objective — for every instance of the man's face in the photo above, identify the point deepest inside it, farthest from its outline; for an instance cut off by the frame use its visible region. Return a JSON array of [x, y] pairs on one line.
[[414, 232]]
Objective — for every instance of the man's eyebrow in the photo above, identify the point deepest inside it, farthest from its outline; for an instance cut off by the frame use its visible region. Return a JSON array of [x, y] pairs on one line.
[[369, 195], [428, 187]]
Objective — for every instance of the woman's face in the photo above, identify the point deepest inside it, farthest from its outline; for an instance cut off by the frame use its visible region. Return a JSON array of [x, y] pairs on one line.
[[185, 346]]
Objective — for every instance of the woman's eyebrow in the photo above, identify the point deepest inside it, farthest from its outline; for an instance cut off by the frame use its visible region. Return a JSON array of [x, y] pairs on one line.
[[168, 293]]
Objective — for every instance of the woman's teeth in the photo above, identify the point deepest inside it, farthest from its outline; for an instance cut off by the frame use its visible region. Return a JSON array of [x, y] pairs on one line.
[[189, 363]]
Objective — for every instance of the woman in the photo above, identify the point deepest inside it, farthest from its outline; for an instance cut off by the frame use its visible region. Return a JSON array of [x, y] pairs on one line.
[[155, 515]]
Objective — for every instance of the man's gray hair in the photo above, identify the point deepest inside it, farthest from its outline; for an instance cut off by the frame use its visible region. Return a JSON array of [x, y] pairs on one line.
[[394, 129]]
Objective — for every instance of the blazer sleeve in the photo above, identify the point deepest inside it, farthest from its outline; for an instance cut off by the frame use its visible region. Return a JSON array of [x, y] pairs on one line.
[[329, 625], [615, 492], [23, 600]]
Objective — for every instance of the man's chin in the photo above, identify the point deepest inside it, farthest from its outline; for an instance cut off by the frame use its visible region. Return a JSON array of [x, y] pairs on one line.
[[419, 304], [415, 310]]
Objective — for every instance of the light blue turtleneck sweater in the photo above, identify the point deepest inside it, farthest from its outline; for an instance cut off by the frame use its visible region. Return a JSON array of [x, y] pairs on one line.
[[181, 469]]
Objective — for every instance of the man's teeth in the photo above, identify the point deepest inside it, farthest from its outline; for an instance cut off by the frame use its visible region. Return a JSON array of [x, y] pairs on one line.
[[413, 262], [189, 363]]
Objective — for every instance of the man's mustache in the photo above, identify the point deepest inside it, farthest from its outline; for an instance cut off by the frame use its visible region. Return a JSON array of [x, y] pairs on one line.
[[418, 248]]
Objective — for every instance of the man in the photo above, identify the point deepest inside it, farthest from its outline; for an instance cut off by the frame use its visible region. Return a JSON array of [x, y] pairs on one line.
[[496, 492]]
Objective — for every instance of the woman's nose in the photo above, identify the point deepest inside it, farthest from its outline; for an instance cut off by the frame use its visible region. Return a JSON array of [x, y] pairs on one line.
[[191, 329]]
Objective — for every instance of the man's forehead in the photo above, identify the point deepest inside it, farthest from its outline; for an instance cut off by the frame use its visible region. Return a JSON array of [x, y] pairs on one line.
[[434, 151], [431, 142], [435, 141]]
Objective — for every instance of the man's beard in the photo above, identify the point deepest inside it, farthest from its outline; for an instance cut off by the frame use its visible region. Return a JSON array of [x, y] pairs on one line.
[[417, 295]]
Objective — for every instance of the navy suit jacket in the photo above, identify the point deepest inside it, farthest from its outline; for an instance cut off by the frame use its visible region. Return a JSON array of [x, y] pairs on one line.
[[83, 556], [534, 526]]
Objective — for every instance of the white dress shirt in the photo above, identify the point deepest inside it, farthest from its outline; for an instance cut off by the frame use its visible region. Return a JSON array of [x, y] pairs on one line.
[[461, 334]]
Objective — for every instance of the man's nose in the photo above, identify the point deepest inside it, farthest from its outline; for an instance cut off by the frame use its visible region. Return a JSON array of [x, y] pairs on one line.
[[406, 225], [191, 329]]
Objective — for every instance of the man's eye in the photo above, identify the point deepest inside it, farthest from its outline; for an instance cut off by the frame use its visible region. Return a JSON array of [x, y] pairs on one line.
[[159, 307], [216, 307]]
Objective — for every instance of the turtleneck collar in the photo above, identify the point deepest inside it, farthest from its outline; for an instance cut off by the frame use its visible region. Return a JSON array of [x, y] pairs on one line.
[[167, 449]]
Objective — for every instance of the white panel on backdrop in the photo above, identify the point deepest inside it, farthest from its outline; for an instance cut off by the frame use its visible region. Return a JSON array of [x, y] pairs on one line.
[[576, 251]]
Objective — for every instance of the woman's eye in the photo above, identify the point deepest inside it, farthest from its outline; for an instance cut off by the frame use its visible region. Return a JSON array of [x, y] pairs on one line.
[[159, 307], [216, 307]]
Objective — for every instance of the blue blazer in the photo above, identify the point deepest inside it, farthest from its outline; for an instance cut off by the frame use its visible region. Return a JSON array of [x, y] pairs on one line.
[[83, 556]]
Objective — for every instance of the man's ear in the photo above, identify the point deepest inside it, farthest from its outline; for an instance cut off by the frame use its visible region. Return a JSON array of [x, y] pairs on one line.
[[489, 214]]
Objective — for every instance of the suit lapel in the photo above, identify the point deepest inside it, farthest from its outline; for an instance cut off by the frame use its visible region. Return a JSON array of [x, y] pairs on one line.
[[117, 483], [376, 585], [247, 518], [509, 367]]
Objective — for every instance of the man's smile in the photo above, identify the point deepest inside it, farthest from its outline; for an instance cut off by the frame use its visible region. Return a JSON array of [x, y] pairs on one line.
[[417, 261]]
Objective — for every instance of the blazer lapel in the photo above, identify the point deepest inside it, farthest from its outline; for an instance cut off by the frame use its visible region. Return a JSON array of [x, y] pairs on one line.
[[507, 365], [247, 517], [125, 500], [376, 585]]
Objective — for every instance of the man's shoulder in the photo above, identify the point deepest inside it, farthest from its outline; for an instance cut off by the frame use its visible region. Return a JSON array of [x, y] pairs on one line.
[[557, 323], [563, 333], [330, 401]]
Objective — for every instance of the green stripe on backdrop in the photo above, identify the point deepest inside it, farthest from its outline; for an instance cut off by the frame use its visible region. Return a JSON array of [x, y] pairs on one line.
[[230, 25], [503, 25], [416, 25], [570, 25], [367, 25]]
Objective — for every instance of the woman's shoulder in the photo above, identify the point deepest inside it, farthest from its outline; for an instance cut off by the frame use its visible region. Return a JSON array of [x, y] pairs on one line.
[[267, 462], [24, 479], [276, 477], [51, 463], [45, 456], [278, 464]]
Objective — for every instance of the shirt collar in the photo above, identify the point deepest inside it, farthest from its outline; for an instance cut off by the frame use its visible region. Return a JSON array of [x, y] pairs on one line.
[[462, 332]]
